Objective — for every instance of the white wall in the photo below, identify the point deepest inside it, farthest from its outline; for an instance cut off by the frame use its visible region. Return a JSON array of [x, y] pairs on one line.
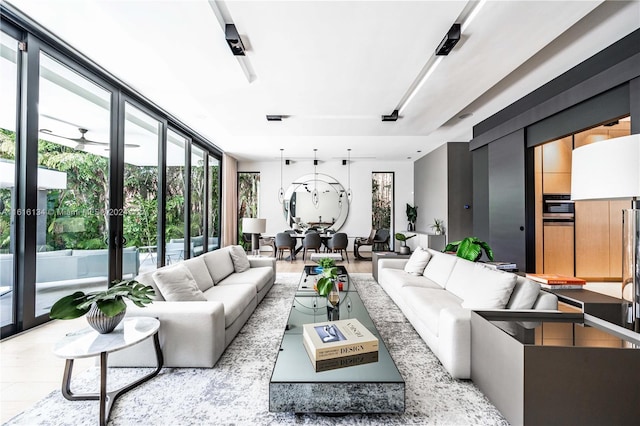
[[358, 222]]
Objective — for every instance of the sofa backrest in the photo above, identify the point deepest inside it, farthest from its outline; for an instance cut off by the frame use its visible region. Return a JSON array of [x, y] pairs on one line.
[[461, 278], [439, 267], [219, 263], [524, 294], [200, 272]]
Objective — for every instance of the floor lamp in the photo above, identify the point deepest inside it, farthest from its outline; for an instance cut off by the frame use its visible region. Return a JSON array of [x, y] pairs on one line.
[[255, 227], [610, 169]]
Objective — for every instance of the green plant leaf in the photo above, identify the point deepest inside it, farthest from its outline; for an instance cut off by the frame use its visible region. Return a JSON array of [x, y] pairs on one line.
[[67, 307], [111, 307]]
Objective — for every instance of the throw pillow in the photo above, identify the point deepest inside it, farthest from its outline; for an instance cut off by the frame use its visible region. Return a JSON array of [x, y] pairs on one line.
[[239, 259], [177, 284], [417, 262], [491, 289]]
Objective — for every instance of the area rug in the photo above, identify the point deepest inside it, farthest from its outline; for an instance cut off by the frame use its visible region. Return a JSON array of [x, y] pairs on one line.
[[236, 390]]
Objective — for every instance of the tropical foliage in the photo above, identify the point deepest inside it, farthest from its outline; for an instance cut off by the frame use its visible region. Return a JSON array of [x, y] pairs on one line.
[[381, 197], [470, 248]]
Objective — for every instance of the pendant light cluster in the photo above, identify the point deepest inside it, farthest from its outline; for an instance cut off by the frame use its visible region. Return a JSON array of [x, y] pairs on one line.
[[315, 197], [349, 193], [281, 190]]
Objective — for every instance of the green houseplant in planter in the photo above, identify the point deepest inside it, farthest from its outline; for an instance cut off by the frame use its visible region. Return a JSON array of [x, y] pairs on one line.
[[470, 248], [105, 309], [327, 286], [412, 216], [437, 226], [404, 249]]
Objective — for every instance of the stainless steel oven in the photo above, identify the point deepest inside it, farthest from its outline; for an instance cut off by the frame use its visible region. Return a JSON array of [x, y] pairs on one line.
[[558, 209]]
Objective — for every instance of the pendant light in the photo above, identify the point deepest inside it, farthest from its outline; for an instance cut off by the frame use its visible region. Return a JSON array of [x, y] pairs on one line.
[[281, 190], [349, 193], [315, 197]]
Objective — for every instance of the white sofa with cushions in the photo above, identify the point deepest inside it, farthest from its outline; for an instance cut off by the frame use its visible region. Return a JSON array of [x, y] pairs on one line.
[[202, 303], [437, 291]]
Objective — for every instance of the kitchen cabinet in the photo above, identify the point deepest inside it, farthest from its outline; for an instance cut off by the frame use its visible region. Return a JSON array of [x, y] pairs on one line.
[[556, 166], [598, 229], [558, 249]]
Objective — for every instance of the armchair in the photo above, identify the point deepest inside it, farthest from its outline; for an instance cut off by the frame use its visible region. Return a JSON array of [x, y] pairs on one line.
[[363, 241]]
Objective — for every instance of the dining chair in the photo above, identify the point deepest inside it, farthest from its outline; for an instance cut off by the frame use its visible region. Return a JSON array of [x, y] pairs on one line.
[[311, 241], [284, 241], [381, 240], [338, 244]]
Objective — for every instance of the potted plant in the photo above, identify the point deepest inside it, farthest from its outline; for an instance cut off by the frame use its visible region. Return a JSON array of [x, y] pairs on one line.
[[437, 226], [404, 249], [470, 248], [105, 309], [412, 216]]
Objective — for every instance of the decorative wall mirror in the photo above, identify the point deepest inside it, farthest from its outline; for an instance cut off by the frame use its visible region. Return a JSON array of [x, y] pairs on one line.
[[331, 210]]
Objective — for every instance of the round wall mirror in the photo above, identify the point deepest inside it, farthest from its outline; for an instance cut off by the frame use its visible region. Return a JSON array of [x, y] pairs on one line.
[[331, 210]]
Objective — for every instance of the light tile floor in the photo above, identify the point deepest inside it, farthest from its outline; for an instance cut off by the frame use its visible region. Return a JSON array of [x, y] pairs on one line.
[[29, 371]]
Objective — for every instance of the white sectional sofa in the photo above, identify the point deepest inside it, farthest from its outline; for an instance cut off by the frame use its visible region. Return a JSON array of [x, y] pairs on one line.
[[196, 331], [438, 300]]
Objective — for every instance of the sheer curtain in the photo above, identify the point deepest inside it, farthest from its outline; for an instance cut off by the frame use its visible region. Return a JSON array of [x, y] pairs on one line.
[[229, 201]]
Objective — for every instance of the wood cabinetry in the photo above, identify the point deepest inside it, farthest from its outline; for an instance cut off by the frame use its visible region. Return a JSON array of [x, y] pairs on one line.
[[556, 160], [559, 248], [598, 230]]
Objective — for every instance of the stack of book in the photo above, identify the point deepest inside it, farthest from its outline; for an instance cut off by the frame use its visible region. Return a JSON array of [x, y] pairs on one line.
[[503, 266], [557, 282], [337, 344]]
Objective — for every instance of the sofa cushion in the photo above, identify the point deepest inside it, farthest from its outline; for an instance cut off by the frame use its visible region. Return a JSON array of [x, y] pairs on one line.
[[177, 284], [200, 272], [439, 267], [461, 278], [258, 277], [235, 298], [219, 263], [427, 303], [491, 289], [524, 294], [417, 262], [239, 259], [147, 279], [397, 278]]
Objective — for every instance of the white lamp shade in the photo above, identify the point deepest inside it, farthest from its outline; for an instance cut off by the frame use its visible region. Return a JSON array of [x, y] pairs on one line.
[[252, 225], [606, 169]]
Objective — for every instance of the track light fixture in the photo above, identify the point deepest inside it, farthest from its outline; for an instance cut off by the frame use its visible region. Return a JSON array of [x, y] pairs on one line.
[[449, 41], [391, 117], [233, 40], [274, 117]]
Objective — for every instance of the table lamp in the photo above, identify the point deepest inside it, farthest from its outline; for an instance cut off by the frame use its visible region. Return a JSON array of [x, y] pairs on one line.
[[255, 227], [610, 169]]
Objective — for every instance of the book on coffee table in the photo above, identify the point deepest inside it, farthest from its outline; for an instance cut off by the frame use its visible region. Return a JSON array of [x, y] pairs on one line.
[[337, 339], [557, 281]]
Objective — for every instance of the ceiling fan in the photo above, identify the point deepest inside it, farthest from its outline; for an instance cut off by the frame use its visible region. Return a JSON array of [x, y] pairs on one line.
[[83, 141]]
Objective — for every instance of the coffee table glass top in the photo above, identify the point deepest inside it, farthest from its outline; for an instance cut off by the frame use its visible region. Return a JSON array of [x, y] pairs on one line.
[[293, 364]]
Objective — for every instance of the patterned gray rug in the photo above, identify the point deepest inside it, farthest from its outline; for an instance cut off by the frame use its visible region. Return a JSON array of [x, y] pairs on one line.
[[236, 390]]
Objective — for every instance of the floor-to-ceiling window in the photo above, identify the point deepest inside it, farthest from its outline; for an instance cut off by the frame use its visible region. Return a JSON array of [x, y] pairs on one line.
[[8, 89], [382, 201], [105, 176], [73, 184], [248, 193]]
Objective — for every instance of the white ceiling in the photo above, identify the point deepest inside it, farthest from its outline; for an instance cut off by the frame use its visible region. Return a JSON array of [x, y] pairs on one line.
[[333, 67]]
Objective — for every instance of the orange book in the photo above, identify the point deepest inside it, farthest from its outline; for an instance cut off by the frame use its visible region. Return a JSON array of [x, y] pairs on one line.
[[556, 279]]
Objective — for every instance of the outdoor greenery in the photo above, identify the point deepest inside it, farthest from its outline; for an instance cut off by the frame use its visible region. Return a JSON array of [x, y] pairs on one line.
[[78, 216], [381, 198], [248, 192]]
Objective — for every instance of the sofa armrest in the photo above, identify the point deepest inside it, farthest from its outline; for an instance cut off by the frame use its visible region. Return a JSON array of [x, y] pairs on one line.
[[392, 263], [192, 334], [454, 341], [257, 262], [546, 301]]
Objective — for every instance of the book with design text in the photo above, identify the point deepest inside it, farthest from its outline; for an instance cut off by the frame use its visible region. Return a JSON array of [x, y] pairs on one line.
[[335, 339]]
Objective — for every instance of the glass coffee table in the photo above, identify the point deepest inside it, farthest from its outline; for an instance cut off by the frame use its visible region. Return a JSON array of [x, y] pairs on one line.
[[363, 385]]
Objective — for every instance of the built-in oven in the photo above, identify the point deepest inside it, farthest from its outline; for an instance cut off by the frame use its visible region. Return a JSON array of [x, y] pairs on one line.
[[557, 209]]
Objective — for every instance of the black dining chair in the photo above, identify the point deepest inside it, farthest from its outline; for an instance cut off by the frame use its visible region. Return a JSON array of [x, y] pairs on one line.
[[284, 241], [311, 241], [338, 244], [381, 240]]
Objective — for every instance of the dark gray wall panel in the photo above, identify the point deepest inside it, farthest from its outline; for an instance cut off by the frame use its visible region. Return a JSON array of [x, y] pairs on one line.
[[480, 206], [634, 104], [460, 178], [506, 161], [597, 110]]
